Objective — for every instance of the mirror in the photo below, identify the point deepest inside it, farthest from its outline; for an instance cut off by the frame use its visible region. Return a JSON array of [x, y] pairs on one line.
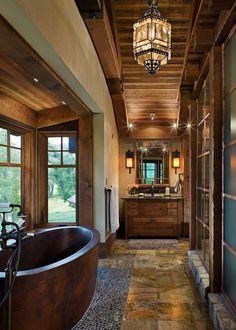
[[152, 162]]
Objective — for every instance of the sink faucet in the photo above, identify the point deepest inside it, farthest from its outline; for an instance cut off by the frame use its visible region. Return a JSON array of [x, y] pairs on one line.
[[179, 184], [152, 189]]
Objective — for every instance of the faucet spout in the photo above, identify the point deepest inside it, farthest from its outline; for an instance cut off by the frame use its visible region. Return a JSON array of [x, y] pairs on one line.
[[152, 189]]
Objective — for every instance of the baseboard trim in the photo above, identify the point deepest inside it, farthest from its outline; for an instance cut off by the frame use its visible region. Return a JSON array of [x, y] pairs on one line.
[[105, 248]]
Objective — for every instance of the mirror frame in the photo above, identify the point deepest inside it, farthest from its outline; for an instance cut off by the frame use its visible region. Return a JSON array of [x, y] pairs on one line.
[[159, 144]]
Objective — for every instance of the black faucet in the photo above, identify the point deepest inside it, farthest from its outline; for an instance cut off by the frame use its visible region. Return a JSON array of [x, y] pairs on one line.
[[152, 189]]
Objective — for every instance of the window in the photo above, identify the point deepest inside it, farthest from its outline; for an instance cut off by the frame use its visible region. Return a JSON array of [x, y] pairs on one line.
[[11, 164], [152, 170], [61, 178]]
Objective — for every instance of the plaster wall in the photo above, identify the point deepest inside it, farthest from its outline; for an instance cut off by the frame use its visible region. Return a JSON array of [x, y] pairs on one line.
[[56, 31]]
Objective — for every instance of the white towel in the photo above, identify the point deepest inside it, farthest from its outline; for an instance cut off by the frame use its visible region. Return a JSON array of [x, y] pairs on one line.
[[114, 210]]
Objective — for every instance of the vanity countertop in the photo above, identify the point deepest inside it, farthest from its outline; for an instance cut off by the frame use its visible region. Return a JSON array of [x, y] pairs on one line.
[[156, 196]]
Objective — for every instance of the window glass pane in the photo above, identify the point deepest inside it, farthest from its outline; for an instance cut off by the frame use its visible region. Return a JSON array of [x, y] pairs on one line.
[[200, 239], [3, 136], [54, 158], [61, 195], [207, 248], [206, 209], [200, 107], [200, 140], [206, 170], [15, 156], [69, 158], [200, 204], [15, 140], [3, 154], [10, 183], [65, 143], [207, 134], [54, 143]]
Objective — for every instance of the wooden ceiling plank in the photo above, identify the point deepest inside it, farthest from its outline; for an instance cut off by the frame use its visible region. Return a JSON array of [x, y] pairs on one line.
[[12, 46]]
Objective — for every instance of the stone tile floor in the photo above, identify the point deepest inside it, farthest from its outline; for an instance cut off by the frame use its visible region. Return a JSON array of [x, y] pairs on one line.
[[162, 293]]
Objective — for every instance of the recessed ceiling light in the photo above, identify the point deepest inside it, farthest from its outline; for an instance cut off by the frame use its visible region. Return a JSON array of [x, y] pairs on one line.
[[130, 125], [175, 125], [36, 80], [63, 102], [164, 149], [189, 125]]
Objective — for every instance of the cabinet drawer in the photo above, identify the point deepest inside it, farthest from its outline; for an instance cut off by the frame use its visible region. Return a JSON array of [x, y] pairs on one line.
[[172, 212], [172, 205], [152, 209], [151, 220], [132, 212], [132, 205], [155, 229]]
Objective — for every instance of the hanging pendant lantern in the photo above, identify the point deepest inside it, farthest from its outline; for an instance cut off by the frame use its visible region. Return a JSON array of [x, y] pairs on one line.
[[152, 39]]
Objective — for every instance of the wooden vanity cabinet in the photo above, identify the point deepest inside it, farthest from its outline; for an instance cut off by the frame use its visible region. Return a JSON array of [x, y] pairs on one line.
[[153, 217]]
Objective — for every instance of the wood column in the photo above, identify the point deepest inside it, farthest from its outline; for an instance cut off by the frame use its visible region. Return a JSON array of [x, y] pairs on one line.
[[192, 175], [85, 192], [215, 212]]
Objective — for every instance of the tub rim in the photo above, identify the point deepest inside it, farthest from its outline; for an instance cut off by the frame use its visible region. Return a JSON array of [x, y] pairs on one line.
[[95, 238]]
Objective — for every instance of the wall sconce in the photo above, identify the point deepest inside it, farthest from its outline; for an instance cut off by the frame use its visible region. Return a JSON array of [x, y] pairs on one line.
[[129, 160], [176, 160]]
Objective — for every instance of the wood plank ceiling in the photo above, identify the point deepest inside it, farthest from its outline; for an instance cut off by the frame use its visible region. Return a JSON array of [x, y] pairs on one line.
[[145, 94], [27, 79]]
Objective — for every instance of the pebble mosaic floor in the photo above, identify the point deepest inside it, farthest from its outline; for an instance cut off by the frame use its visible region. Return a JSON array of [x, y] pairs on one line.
[[162, 293], [107, 308]]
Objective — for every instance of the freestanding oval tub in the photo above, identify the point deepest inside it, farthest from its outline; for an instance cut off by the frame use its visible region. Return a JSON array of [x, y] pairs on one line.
[[56, 278]]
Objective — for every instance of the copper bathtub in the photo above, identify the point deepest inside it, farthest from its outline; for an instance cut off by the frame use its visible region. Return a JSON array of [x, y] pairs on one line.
[[56, 278]]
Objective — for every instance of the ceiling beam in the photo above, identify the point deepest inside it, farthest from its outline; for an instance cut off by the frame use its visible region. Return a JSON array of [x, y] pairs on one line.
[[55, 116], [116, 91], [89, 5], [196, 9]]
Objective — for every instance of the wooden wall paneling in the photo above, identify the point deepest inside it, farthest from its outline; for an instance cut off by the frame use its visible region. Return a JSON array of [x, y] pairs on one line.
[[41, 172], [29, 203], [17, 111], [215, 163], [85, 192], [192, 176], [55, 116]]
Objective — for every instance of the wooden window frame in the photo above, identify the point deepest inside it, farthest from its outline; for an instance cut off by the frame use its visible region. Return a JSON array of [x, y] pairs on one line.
[[27, 167], [42, 213]]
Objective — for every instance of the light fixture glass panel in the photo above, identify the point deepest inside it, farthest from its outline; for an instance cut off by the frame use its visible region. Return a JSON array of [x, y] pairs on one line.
[[129, 162], [176, 162]]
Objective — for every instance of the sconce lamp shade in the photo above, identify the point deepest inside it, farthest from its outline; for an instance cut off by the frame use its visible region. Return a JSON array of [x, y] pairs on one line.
[[176, 160], [129, 160]]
